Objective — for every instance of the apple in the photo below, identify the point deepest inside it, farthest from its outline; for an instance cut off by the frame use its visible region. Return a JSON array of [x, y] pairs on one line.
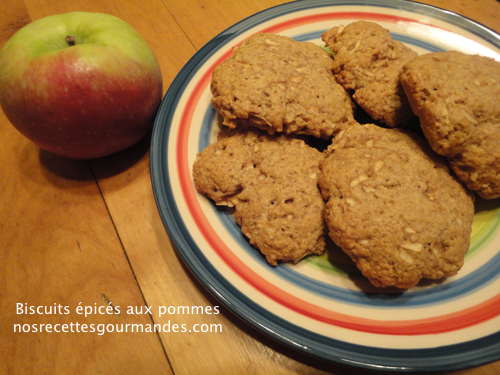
[[81, 85]]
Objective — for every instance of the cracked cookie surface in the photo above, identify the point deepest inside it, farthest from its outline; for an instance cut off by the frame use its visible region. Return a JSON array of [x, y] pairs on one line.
[[271, 181], [368, 61], [279, 85], [393, 206], [457, 98]]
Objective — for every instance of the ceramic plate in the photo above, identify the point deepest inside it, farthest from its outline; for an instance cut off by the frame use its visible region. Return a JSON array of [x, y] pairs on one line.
[[323, 306]]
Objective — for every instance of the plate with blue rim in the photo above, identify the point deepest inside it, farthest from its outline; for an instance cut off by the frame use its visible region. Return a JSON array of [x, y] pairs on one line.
[[323, 306]]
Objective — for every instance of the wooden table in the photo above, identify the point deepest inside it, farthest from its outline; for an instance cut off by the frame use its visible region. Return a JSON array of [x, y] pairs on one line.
[[87, 233]]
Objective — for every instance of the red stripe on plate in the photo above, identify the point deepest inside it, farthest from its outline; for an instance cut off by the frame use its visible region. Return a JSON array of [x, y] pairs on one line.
[[440, 324], [337, 16]]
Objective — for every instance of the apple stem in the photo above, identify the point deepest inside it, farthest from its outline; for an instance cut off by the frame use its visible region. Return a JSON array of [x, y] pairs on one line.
[[71, 40]]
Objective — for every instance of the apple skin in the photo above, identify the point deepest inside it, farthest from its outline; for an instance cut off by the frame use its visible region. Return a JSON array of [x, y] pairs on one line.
[[84, 101]]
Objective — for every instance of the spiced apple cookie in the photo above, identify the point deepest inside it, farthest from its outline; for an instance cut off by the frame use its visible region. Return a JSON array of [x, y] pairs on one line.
[[368, 61], [277, 84], [393, 206], [271, 181], [457, 98]]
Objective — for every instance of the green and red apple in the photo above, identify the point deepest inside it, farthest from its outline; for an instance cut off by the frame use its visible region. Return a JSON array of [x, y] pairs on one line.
[[81, 85]]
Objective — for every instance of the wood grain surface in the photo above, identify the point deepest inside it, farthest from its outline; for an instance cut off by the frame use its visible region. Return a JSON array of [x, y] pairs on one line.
[[87, 233]]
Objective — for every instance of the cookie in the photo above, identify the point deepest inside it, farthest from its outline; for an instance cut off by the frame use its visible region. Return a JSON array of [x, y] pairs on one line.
[[394, 207], [271, 181], [279, 85], [456, 97], [368, 61]]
